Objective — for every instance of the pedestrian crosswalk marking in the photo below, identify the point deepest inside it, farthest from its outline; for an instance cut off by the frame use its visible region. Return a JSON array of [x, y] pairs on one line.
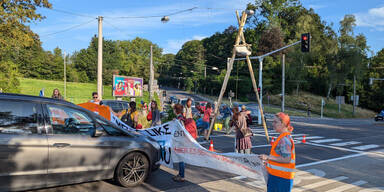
[[326, 140], [347, 186], [319, 184], [345, 143], [314, 137], [365, 147]]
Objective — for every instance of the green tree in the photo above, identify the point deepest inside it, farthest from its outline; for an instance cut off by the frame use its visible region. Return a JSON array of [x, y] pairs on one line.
[[191, 60], [9, 77]]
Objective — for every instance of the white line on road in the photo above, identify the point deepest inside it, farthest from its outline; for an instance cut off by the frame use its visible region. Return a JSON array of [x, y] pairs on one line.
[[345, 143], [326, 140], [347, 186], [333, 147], [257, 146], [319, 184], [330, 160], [314, 137], [365, 147], [297, 135]]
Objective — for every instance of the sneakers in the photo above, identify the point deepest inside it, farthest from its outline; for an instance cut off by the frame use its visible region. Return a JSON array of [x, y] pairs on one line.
[[178, 178]]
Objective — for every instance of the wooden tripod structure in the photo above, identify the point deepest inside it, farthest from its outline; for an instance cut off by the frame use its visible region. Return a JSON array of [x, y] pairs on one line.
[[240, 41]]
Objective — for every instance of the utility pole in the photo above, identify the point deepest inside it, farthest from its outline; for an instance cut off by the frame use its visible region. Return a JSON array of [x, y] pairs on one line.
[[237, 79], [283, 85], [65, 78], [205, 79], [261, 88], [354, 94], [151, 77], [100, 59]]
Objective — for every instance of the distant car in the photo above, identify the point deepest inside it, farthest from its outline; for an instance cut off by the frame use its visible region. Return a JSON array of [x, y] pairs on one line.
[[47, 142], [173, 100], [254, 108], [116, 105], [380, 116]]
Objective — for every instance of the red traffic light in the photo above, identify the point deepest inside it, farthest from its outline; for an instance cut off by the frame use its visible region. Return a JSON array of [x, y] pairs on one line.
[[305, 38]]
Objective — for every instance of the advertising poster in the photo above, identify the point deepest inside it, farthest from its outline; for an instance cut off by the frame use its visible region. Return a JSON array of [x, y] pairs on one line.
[[124, 86]]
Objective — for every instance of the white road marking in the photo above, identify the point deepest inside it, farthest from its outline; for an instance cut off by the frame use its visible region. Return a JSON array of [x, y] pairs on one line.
[[297, 135], [314, 137], [330, 160], [345, 143], [365, 147], [257, 146], [347, 186], [319, 184], [326, 140]]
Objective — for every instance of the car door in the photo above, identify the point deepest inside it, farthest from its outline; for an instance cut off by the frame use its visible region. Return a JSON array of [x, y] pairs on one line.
[[23, 146], [74, 154]]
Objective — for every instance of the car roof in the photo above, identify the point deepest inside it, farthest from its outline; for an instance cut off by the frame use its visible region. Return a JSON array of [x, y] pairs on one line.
[[33, 98]]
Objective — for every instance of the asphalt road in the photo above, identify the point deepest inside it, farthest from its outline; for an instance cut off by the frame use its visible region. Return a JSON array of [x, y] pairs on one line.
[[338, 155]]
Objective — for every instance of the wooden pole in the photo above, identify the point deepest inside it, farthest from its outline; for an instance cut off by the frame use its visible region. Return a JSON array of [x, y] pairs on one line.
[[241, 26], [255, 89]]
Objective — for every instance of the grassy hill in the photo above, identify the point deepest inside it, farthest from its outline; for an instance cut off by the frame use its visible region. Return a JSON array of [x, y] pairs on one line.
[[296, 105], [331, 108], [76, 92]]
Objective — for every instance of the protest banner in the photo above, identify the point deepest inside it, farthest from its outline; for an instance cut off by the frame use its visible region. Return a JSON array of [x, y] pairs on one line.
[[177, 145]]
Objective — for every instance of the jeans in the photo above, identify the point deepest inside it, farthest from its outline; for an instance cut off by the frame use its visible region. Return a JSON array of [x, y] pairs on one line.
[[246, 151], [181, 169]]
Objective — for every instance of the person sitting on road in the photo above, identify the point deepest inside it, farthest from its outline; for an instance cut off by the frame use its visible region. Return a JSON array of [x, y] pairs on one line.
[[280, 163]]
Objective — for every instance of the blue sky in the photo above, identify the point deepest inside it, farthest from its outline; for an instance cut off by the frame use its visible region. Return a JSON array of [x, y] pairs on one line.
[[209, 17]]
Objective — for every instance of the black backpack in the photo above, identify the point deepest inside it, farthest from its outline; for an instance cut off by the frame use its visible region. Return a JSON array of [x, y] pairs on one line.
[[128, 120]]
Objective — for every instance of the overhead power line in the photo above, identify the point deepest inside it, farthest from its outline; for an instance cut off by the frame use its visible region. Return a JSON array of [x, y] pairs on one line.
[[67, 29], [151, 16], [72, 13]]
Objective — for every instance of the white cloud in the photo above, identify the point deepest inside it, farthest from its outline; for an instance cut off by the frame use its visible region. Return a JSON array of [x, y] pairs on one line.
[[373, 18], [174, 45]]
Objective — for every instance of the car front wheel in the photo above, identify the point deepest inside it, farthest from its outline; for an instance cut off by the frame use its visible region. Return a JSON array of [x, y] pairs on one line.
[[132, 170]]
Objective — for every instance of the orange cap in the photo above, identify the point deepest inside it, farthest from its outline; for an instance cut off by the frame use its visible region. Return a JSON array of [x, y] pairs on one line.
[[285, 120]]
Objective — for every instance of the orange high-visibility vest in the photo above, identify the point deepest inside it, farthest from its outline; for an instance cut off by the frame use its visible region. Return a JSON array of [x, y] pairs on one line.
[[283, 170]]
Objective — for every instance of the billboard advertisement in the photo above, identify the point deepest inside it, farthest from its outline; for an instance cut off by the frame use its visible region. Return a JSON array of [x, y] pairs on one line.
[[124, 86]]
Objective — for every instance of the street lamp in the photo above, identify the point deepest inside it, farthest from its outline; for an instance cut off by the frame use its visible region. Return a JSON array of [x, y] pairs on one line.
[[165, 19]]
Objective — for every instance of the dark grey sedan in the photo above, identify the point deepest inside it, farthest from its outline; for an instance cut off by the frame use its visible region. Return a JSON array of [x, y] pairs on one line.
[[47, 142]]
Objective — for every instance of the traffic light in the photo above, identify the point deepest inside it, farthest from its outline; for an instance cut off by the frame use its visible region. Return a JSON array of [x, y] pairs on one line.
[[305, 42], [258, 90]]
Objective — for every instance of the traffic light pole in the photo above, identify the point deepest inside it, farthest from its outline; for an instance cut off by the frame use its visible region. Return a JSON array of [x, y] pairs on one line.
[[261, 58]]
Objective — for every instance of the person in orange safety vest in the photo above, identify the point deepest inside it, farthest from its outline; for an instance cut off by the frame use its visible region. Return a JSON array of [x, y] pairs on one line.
[[280, 163]]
